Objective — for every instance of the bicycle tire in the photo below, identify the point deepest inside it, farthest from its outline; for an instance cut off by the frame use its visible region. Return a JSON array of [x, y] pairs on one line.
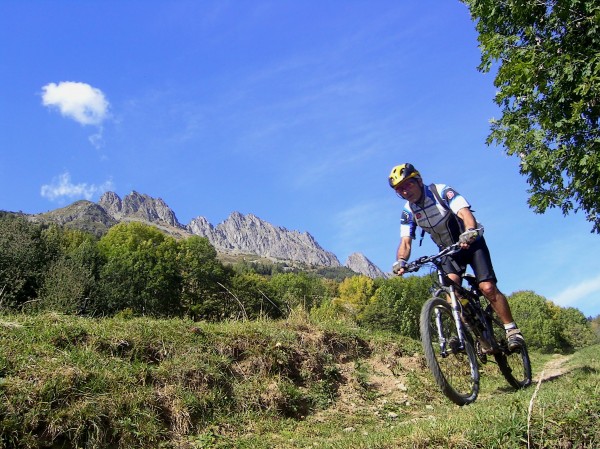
[[456, 373], [515, 366]]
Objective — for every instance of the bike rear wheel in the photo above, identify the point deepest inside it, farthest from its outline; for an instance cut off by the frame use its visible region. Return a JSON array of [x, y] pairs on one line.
[[455, 370], [515, 366]]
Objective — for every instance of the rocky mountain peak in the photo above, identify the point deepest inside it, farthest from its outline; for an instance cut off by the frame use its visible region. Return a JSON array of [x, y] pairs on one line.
[[358, 263], [139, 206]]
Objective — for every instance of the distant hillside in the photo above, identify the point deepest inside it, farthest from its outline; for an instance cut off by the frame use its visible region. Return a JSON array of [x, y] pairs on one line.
[[83, 215], [238, 235]]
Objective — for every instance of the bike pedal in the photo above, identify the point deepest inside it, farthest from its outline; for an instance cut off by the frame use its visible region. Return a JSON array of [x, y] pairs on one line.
[[484, 349]]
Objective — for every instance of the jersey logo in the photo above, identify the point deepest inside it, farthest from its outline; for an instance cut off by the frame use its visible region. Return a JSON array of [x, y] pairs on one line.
[[450, 194], [405, 219], [418, 216]]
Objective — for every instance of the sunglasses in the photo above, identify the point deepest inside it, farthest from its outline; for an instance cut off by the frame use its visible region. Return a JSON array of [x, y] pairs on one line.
[[406, 185]]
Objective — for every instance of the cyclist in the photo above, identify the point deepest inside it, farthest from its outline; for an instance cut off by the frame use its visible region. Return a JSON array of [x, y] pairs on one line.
[[446, 216]]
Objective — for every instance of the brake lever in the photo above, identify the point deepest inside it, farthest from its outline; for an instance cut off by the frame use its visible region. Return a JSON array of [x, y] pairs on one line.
[[415, 265]]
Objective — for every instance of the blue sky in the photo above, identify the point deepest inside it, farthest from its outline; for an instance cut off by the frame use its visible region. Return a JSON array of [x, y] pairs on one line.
[[294, 111]]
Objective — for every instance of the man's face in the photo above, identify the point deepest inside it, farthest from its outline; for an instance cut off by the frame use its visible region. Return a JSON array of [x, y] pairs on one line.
[[410, 190]]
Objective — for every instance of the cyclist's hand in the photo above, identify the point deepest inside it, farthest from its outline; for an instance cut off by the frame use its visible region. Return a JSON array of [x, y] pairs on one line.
[[399, 267], [468, 237]]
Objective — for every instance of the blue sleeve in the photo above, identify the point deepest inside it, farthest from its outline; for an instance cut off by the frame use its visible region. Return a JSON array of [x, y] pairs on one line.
[[407, 224], [453, 199]]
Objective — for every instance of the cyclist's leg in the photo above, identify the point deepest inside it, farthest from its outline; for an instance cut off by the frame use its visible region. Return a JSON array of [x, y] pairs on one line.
[[454, 269], [484, 271], [481, 262], [497, 300]]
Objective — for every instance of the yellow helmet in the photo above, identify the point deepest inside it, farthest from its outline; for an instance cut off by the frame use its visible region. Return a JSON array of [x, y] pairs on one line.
[[401, 173]]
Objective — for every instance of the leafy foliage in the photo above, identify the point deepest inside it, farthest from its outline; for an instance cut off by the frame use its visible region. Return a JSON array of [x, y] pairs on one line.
[[595, 324], [548, 327], [298, 290], [256, 295], [23, 260], [548, 80], [355, 293], [396, 305], [140, 270], [536, 319], [577, 332], [336, 273], [137, 270], [71, 279], [201, 275]]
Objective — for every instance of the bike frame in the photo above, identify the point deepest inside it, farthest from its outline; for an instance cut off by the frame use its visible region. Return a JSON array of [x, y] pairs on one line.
[[479, 324], [457, 328]]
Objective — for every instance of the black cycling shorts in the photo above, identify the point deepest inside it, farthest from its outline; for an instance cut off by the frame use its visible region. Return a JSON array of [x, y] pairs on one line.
[[477, 256]]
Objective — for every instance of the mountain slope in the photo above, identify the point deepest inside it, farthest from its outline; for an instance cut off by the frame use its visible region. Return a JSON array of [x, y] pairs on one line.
[[84, 215], [238, 234]]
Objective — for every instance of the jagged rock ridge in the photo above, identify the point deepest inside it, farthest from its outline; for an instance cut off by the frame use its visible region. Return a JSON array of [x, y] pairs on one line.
[[238, 234], [140, 206], [249, 234]]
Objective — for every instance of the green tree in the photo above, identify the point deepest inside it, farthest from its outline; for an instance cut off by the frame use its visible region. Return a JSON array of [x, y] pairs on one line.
[[536, 317], [201, 273], [70, 282], [67, 286], [595, 323], [577, 331], [396, 305], [355, 293], [140, 272], [298, 290], [255, 296], [548, 79], [23, 260]]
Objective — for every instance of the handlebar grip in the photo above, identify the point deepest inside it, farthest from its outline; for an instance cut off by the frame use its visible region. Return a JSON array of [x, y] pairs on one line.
[[412, 267]]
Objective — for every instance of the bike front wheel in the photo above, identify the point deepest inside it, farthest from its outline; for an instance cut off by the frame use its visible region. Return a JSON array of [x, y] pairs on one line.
[[454, 368], [515, 366]]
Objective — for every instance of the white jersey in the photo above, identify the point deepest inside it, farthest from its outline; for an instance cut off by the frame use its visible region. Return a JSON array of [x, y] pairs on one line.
[[438, 220]]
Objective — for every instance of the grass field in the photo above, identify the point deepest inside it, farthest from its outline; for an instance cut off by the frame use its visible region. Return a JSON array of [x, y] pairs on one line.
[[68, 382]]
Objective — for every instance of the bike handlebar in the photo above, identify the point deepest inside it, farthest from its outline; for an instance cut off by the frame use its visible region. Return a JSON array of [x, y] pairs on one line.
[[418, 263]]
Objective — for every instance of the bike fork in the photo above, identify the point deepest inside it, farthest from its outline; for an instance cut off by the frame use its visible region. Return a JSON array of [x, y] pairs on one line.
[[441, 336], [443, 339], [456, 310]]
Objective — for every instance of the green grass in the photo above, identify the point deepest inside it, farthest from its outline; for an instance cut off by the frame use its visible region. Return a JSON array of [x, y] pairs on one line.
[[69, 382]]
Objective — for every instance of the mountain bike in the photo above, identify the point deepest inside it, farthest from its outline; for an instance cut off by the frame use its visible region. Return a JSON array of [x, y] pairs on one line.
[[459, 327]]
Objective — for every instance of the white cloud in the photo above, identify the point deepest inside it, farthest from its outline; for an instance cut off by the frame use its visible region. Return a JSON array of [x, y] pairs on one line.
[[62, 187], [96, 139], [81, 102], [577, 293]]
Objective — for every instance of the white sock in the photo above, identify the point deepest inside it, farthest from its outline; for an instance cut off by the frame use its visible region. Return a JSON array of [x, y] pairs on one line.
[[510, 326]]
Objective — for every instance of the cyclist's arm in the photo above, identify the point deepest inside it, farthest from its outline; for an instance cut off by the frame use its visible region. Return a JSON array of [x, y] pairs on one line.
[[469, 221], [407, 234], [404, 248], [403, 253], [467, 217]]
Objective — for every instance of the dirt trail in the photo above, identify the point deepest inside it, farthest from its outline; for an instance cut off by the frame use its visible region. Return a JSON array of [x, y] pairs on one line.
[[553, 368]]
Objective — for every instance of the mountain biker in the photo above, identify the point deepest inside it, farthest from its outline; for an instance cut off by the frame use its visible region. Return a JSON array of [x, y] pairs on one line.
[[446, 216]]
